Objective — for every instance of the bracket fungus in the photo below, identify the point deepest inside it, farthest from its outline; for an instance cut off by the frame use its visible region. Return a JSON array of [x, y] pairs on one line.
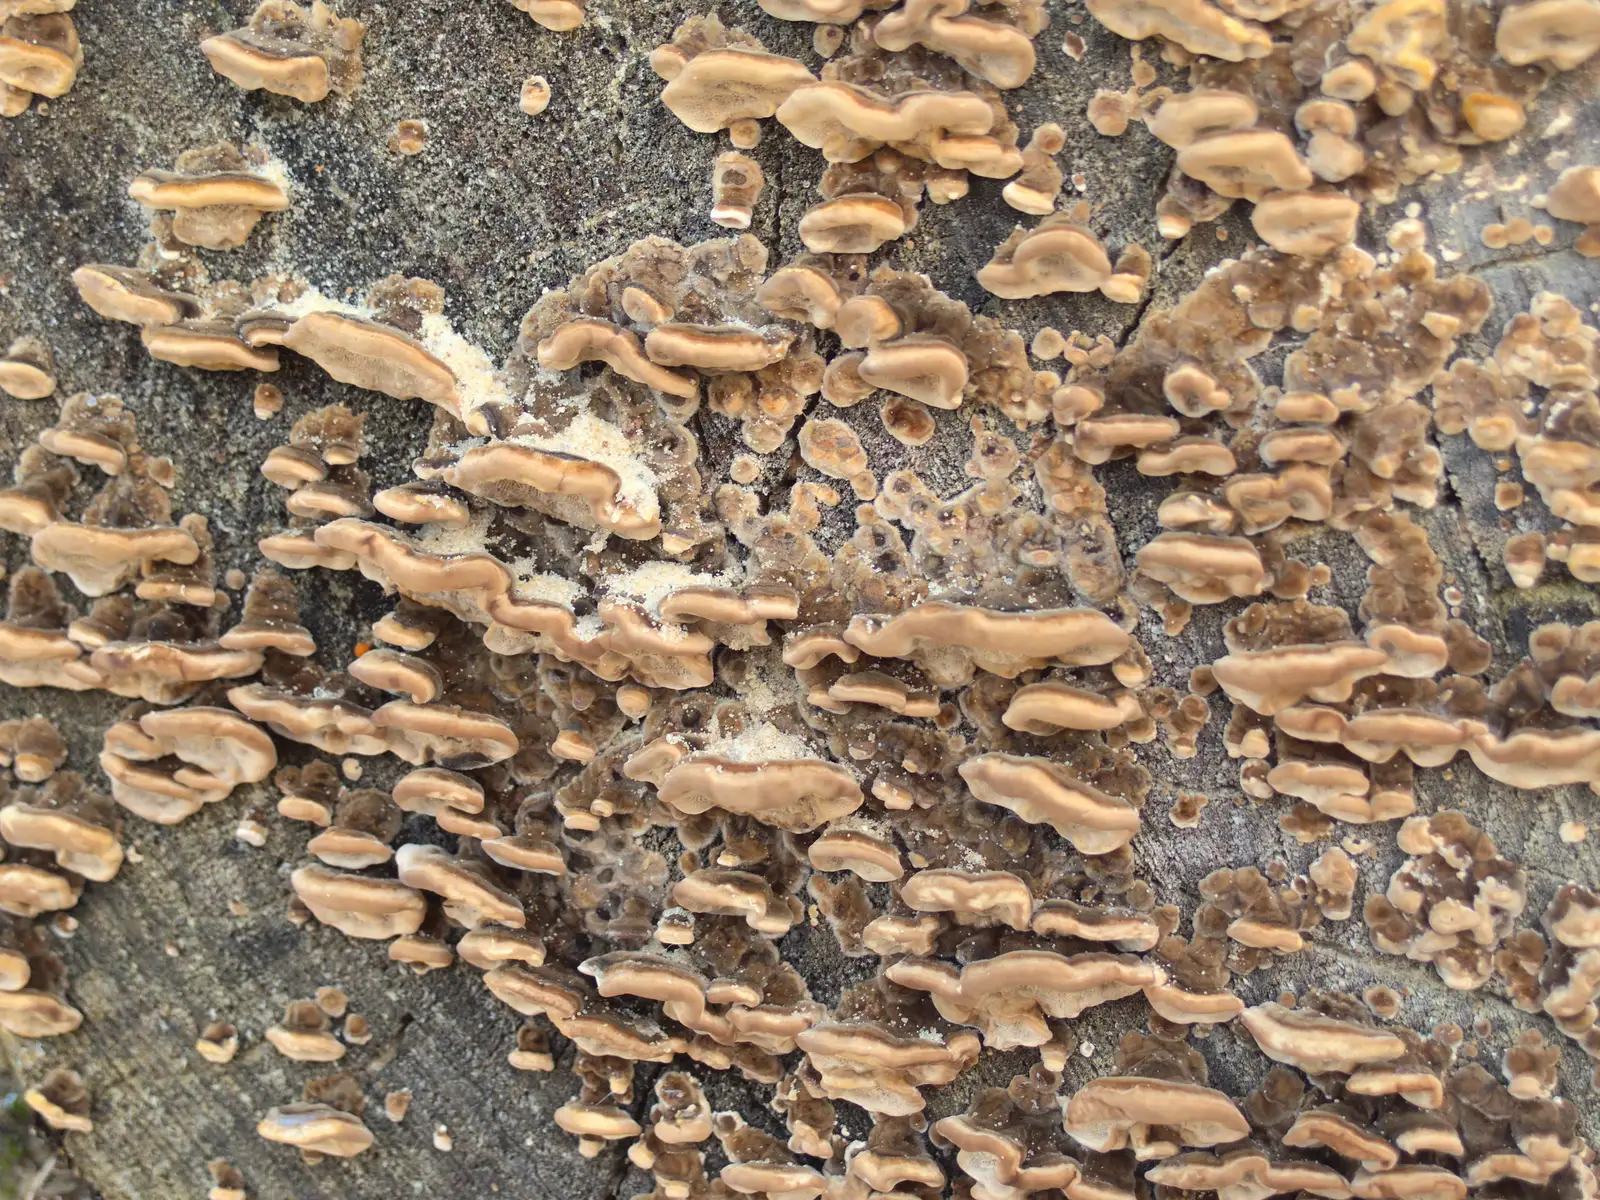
[[286, 48], [750, 620], [216, 194]]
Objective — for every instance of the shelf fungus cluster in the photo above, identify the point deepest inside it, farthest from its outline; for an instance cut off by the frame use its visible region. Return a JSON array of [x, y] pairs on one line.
[[846, 717], [742, 606], [913, 108], [1310, 113], [59, 833]]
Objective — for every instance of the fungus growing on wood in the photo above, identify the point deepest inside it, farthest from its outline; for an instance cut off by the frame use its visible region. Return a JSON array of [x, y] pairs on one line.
[[27, 371], [39, 56], [1196, 25], [286, 48], [216, 194], [1059, 255], [61, 1101], [1152, 1116], [317, 1129], [718, 76], [1451, 903], [736, 183]]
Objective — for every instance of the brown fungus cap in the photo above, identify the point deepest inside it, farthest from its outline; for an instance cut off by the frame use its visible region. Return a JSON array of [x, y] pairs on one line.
[[1057, 256], [1140, 1113], [973, 897], [359, 906], [377, 357], [1317, 1043], [717, 87], [794, 794], [1043, 792], [319, 1128], [27, 370], [471, 896], [1196, 25], [290, 50]]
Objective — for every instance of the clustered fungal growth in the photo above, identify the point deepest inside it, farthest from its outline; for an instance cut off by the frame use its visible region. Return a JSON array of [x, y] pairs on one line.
[[1380, 97], [669, 694]]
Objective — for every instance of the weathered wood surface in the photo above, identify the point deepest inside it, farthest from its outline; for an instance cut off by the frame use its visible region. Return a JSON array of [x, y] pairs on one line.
[[498, 207]]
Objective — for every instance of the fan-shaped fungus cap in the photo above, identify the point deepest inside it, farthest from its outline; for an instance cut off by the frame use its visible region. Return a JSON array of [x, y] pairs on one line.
[[1116, 1112], [291, 51], [736, 894], [360, 906], [1008, 996], [1575, 195], [801, 293], [1279, 677], [79, 844], [1043, 708], [487, 948], [1058, 256], [429, 789], [1563, 33], [470, 895], [319, 1128], [127, 294], [1317, 1043], [31, 1013], [715, 88], [1409, 1181], [794, 794], [557, 15], [101, 558], [1204, 569], [1187, 117], [397, 672], [25, 371], [61, 1101], [444, 733], [1247, 1170], [1074, 636], [857, 223], [39, 53], [586, 339], [984, 895], [1043, 792], [1321, 1127], [998, 52], [1182, 1006], [377, 357], [870, 857], [1246, 163], [1197, 26], [1310, 224], [304, 1034], [923, 367], [245, 195], [218, 1043], [716, 348], [604, 1121]]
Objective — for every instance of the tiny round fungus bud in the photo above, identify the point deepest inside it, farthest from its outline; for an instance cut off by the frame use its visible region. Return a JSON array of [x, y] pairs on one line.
[[442, 1139], [409, 137], [396, 1103], [745, 134], [218, 1043], [268, 401], [535, 96]]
